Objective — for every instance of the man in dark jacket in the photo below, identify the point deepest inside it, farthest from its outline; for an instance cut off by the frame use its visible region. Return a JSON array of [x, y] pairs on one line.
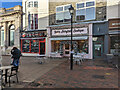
[[16, 53]]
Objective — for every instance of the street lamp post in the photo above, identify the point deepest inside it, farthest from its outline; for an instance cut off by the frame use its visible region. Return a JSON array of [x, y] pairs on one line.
[[71, 10]]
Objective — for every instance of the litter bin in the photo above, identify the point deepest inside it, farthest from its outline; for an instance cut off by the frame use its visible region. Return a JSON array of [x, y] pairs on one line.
[[109, 58]]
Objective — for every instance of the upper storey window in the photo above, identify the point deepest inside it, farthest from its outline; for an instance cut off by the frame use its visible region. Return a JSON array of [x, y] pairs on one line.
[[30, 4], [62, 14], [85, 11], [33, 21], [11, 35], [33, 4], [2, 36]]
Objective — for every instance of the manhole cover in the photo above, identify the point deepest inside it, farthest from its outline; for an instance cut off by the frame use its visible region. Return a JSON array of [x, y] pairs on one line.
[[99, 76]]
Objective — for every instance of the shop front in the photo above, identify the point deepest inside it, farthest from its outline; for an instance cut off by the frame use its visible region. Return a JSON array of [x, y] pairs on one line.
[[98, 47], [33, 43], [60, 40], [114, 36], [100, 39]]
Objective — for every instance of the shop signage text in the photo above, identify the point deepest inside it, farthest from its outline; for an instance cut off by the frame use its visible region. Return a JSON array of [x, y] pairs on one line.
[[33, 34], [114, 24], [63, 32]]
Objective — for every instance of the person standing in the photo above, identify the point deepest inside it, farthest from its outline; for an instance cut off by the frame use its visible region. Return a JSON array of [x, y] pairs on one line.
[[16, 54]]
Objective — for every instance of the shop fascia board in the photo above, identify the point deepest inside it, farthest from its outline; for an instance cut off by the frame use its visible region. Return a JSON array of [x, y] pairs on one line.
[[69, 38], [35, 30], [114, 32], [34, 38], [91, 22]]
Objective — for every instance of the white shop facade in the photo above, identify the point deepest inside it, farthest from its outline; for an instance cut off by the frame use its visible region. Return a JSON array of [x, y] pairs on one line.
[[59, 40]]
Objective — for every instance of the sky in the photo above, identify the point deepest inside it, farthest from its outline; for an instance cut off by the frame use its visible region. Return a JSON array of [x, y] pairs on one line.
[[9, 3]]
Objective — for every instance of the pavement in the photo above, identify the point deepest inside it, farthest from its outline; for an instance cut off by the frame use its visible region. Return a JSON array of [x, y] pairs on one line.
[[56, 73]]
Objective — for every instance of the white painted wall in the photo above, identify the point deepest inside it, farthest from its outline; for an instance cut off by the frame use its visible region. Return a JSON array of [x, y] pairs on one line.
[[42, 11], [113, 9], [48, 43], [90, 42]]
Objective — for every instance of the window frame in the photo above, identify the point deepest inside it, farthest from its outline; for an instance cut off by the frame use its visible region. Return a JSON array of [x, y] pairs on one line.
[[2, 36], [33, 21], [63, 11], [30, 4], [85, 7], [11, 31], [36, 3], [33, 4]]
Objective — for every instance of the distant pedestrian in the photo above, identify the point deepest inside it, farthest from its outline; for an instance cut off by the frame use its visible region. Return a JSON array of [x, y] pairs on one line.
[[15, 55]]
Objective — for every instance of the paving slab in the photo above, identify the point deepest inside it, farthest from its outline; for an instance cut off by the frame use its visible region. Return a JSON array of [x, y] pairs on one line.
[[56, 73], [30, 69]]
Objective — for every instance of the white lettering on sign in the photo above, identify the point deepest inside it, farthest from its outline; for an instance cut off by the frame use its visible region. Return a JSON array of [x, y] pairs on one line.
[[63, 32], [115, 24]]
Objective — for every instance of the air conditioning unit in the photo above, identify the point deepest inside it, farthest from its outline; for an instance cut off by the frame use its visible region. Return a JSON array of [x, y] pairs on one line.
[[81, 17]]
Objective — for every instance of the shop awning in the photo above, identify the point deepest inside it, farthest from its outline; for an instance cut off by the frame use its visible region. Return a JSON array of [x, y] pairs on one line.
[[69, 38]]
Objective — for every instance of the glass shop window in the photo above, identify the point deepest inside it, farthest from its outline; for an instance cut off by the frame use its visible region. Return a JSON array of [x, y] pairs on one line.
[[115, 44], [83, 46], [35, 46], [55, 46], [25, 45]]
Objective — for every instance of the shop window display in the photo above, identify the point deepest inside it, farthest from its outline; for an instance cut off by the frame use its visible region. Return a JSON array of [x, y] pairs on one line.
[[25, 45], [35, 46], [83, 46], [55, 46], [115, 44]]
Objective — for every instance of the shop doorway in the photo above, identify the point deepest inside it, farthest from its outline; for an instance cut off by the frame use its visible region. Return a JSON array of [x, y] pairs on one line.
[[42, 47], [98, 50], [66, 49]]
